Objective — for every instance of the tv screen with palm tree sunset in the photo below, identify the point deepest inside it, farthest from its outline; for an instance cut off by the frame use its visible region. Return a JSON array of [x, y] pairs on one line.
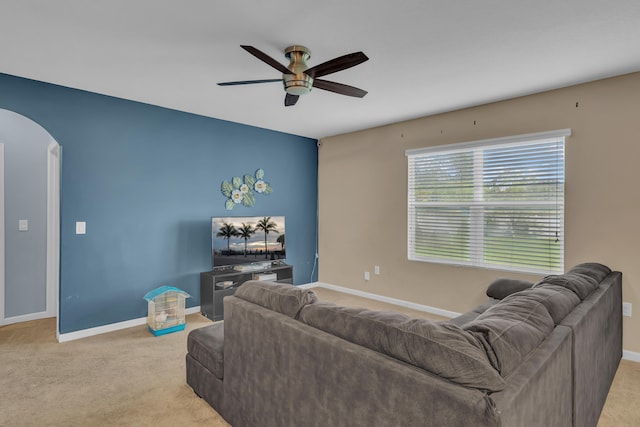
[[243, 240]]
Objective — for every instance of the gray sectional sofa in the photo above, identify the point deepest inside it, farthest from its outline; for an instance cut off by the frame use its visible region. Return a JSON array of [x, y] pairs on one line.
[[542, 356]]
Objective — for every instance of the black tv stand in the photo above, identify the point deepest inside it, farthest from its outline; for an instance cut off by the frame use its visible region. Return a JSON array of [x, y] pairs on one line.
[[223, 281]]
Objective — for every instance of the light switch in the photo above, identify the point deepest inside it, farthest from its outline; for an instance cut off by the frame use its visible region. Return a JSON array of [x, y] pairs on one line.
[[81, 227], [23, 225]]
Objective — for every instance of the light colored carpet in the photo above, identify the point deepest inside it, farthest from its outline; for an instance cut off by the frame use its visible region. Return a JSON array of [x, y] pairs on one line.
[[131, 378], [123, 378]]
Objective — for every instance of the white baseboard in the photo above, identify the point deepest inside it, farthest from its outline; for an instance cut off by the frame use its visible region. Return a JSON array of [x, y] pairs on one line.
[[27, 317], [389, 300], [84, 333], [626, 354], [631, 355]]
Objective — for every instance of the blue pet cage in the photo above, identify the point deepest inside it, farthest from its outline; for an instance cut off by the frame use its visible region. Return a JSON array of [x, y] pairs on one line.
[[166, 310]]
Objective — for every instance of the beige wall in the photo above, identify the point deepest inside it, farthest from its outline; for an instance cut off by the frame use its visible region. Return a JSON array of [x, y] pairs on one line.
[[363, 187]]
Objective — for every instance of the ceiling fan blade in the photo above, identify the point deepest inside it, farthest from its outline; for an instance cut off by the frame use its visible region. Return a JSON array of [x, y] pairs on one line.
[[248, 82], [337, 64], [339, 88], [290, 100], [267, 59]]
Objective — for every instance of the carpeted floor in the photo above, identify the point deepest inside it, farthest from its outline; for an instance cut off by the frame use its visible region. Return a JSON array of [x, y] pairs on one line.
[[131, 378], [123, 378]]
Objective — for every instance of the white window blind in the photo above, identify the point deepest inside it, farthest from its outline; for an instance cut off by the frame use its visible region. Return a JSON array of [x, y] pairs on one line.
[[494, 203]]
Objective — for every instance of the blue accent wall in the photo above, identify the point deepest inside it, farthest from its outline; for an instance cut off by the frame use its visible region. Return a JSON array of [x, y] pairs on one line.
[[147, 180]]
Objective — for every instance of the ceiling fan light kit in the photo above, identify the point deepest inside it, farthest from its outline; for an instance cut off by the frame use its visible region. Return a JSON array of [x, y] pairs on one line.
[[298, 79], [297, 83]]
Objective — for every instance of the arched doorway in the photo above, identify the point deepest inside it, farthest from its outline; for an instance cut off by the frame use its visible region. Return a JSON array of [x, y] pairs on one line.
[[27, 148]]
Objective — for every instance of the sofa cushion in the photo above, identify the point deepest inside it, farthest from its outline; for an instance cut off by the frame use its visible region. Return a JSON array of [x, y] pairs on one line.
[[206, 345], [441, 348], [510, 330], [283, 298], [503, 287], [581, 284], [593, 270], [471, 315], [557, 300]]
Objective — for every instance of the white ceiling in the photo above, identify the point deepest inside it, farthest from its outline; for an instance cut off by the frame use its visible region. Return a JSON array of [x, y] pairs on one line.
[[426, 56]]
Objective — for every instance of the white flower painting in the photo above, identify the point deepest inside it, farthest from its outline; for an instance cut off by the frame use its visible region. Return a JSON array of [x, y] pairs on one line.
[[240, 191]]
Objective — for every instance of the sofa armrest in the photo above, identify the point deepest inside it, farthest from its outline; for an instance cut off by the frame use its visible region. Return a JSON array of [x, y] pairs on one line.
[[596, 324], [503, 287], [543, 380]]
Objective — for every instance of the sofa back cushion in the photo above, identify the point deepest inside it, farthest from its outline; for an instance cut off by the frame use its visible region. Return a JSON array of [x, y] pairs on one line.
[[581, 284], [510, 330], [558, 301], [593, 270], [283, 298], [441, 348]]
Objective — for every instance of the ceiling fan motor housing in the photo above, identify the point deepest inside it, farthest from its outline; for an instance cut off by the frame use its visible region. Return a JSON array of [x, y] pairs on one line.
[[299, 82]]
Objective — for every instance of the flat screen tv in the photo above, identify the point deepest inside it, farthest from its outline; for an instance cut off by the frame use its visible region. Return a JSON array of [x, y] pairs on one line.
[[246, 239]]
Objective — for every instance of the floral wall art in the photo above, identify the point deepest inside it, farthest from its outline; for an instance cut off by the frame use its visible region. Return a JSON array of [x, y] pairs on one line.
[[242, 190]]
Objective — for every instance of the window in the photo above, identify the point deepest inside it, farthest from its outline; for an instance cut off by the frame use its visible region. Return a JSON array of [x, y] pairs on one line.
[[495, 203]]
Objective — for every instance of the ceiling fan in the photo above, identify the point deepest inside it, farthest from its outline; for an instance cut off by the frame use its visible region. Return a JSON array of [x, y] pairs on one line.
[[298, 79]]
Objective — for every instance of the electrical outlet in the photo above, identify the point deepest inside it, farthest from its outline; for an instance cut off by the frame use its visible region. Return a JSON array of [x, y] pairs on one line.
[[626, 309], [366, 275], [376, 270]]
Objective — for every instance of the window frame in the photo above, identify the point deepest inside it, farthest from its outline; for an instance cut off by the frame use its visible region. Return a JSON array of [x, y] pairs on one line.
[[476, 221]]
